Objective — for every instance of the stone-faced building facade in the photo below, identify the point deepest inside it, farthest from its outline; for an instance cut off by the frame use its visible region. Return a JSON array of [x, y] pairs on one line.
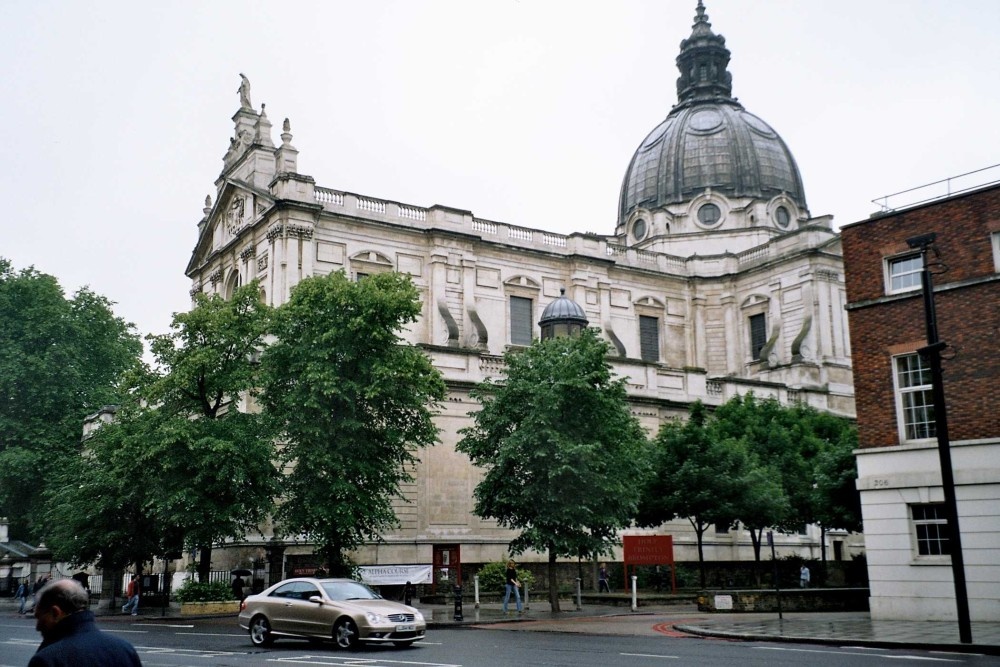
[[714, 279], [899, 472]]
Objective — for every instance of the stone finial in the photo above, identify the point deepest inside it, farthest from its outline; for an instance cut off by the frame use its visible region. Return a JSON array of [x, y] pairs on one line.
[[286, 133], [208, 205], [262, 129]]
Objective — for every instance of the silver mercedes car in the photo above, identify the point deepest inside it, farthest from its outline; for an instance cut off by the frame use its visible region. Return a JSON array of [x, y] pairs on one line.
[[342, 610]]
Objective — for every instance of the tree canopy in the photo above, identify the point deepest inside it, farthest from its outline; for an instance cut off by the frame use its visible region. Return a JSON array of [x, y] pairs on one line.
[[181, 459], [353, 404], [696, 476], [563, 457], [756, 461], [60, 360]]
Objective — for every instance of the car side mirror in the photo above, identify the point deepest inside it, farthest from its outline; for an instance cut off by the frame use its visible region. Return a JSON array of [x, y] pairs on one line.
[[317, 599]]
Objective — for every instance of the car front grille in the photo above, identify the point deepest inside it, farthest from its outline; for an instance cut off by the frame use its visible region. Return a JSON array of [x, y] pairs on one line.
[[401, 618]]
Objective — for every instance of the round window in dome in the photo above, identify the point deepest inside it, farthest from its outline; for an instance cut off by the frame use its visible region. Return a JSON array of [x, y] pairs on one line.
[[782, 217], [639, 229], [709, 215]]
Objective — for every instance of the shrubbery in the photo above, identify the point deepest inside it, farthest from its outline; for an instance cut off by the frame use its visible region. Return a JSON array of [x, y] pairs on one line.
[[493, 576], [202, 591]]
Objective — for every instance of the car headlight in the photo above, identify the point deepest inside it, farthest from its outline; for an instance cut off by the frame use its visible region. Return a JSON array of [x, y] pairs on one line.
[[376, 619]]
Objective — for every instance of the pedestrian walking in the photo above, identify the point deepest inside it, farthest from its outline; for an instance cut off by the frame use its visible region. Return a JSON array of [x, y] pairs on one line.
[[238, 588], [602, 579], [804, 577], [69, 635], [512, 585], [23, 591], [132, 596]]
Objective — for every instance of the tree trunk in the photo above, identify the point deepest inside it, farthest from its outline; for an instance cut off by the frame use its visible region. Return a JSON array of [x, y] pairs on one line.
[[553, 582], [699, 530], [755, 536], [204, 563]]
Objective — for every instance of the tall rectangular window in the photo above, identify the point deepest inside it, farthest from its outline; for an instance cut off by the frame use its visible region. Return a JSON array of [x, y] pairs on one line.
[[649, 338], [520, 320], [904, 274], [930, 529], [758, 335], [914, 397]]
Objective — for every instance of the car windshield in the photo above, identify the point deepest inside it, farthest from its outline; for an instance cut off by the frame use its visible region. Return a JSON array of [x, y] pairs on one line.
[[349, 590]]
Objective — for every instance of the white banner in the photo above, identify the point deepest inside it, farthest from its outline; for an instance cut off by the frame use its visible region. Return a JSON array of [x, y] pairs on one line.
[[385, 575]]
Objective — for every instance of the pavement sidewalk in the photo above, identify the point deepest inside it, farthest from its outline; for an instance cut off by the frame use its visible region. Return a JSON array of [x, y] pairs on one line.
[[839, 628]]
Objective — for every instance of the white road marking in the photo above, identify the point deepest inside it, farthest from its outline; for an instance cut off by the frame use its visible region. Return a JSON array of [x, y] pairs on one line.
[[192, 652], [651, 655], [211, 634], [888, 656], [353, 662]]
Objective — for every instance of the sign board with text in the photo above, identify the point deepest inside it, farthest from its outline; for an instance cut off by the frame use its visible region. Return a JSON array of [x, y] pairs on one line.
[[648, 549]]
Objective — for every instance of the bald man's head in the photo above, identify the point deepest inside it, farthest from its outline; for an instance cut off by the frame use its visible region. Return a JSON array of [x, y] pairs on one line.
[[56, 601]]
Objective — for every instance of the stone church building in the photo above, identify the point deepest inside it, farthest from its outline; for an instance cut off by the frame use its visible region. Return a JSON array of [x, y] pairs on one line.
[[713, 279]]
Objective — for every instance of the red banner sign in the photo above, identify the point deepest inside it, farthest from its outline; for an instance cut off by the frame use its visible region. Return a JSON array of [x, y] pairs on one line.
[[649, 549]]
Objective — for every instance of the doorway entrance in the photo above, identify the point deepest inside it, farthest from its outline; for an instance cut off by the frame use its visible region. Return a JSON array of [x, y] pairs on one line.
[[447, 567]]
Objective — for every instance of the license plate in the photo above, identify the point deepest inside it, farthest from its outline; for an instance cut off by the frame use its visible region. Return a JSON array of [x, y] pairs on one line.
[[410, 627]]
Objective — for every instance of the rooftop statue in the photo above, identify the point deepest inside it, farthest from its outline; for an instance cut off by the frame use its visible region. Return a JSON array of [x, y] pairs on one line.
[[244, 92]]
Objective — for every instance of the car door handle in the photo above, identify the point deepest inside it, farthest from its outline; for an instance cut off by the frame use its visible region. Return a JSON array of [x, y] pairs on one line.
[[288, 604]]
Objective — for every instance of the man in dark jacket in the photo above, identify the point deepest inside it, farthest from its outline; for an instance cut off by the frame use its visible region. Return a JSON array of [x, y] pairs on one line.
[[69, 636]]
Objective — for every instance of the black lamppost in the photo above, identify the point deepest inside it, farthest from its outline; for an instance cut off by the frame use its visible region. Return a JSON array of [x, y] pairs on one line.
[[932, 355]]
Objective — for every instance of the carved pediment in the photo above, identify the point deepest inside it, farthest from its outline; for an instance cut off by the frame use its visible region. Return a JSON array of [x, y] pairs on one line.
[[372, 259], [236, 208], [754, 300], [649, 302], [523, 282]]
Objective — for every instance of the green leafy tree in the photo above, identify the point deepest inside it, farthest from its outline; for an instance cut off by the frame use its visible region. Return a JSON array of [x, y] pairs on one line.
[[214, 463], [180, 465], [776, 472], [564, 458], [696, 476], [836, 501], [353, 404], [794, 451], [98, 509], [60, 360]]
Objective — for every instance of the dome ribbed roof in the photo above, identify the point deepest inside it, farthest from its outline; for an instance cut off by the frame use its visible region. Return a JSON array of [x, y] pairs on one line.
[[563, 309], [708, 140]]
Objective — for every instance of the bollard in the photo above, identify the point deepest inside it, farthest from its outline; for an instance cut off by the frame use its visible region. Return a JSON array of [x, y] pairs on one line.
[[579, 595], [475, 583], [458, 603], [635, 602]]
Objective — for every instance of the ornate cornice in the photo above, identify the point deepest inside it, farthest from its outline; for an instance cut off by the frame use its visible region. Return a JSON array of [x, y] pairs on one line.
[[301, 231], [275, 230]]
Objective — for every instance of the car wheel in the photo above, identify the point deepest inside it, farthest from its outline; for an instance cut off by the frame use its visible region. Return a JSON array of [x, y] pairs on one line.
[[260, 632], [345, 633], [403, 644]]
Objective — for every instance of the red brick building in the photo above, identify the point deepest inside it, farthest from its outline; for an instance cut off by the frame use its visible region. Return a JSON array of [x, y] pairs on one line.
[[899, 472]]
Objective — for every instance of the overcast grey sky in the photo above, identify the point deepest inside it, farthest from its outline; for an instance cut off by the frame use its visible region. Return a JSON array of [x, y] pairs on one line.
[[115, 115]]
